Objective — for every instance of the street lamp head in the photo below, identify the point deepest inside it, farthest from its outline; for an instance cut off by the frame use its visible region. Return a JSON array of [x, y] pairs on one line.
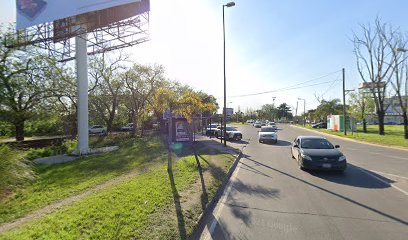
[[401, 50], [230, 4]]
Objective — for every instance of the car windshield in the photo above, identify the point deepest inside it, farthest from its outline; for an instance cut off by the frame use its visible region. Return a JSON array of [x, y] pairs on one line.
[[212, 126], [268, 129], [316, 144], [231, 129]]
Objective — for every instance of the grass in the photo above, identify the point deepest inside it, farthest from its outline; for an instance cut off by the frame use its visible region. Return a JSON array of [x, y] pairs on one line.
[[394, 135], [157, 204], [55, 182]]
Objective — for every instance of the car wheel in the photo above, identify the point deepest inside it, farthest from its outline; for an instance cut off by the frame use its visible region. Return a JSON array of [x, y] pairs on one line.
[[260, 141], [216, 135]]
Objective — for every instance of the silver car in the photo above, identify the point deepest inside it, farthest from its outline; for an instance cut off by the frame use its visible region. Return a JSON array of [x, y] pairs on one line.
[[268, 134]]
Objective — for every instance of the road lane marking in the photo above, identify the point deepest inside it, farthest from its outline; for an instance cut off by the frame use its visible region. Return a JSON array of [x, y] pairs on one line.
[[221, 204], [383, 181], [389, 174], [382, 154]]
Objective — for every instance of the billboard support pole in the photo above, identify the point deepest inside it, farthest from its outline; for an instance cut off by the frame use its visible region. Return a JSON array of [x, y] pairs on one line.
[[81, 58]]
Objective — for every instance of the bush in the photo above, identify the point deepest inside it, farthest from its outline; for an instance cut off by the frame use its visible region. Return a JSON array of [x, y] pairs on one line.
[[14, 169], [68, 146]]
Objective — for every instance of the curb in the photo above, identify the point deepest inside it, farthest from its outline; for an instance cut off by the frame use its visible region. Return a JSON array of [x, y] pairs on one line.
[[353, 140], [207, 213]]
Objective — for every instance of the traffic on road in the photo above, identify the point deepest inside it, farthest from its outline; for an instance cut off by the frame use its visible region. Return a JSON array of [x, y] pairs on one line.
[[303, 187]]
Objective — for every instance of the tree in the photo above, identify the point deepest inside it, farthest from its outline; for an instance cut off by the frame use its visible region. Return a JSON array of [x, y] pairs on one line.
[[374, 54], [284, 111], [400, 81], [361, 104], [141, 84], [24, 82], [326, 108], [104, 96]]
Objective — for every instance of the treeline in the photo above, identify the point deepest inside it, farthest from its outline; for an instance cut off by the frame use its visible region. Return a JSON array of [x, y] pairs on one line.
[[38, 94]]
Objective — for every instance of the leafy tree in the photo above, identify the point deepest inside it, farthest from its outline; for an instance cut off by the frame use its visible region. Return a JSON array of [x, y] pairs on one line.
[[24, 82], [360, 105], [141, 84], [108, 86]]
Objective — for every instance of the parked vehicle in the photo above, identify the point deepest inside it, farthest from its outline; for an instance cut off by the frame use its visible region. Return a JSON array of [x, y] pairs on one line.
[[97, 129], [320, 125], [232, 133], [211, 129], [312, 152], [257, 124], [128, 127], [268, 134]]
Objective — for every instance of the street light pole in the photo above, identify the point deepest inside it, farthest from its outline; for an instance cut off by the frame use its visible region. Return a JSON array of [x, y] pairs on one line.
[[230, 4], [304, 111]]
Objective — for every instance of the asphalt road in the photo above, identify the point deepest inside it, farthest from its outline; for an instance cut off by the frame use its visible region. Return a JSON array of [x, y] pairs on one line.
[[269, 197]]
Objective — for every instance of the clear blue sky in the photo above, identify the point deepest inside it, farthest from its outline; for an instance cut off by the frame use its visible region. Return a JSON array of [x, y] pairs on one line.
[[271, 44]]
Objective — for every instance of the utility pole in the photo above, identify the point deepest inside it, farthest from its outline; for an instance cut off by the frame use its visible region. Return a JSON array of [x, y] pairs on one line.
[[344, 102], [297, 103]]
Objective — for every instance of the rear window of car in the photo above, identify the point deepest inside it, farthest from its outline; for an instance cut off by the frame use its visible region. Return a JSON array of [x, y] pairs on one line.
[[268, 129], [231, 129]]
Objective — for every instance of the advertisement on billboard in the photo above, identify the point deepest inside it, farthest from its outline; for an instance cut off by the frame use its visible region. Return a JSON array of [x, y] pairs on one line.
[[33, 12], [182, 131], [229, 112]]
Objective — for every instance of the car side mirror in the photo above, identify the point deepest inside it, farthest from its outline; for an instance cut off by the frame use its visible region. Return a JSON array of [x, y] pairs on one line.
[[295, 145], [337, 146]]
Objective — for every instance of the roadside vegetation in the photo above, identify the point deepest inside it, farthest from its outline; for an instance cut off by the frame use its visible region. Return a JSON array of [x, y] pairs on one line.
[[394, 135], [154, 203]]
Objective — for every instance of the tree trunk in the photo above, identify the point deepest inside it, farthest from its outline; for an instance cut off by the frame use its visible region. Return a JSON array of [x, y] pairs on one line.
[[364, 125], [381, 123], [19, 124], [405, 125]]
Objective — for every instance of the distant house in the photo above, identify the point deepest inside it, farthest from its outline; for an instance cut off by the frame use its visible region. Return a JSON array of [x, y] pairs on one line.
[[393, 111]]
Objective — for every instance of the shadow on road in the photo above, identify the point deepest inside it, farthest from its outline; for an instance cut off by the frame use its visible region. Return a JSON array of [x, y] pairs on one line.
[[353, 176], [371, 179]]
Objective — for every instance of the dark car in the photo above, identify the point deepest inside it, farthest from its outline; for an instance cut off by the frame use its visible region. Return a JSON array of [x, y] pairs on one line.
[[320, 125], [313, 152]]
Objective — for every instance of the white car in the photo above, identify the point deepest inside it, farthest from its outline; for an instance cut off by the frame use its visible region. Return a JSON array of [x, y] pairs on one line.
[[128, 127], [257, 124], [232, 133], [268, 134], [97, 129]]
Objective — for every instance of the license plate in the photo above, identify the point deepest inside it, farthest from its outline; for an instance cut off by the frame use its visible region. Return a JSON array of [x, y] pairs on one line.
[[326, 165]]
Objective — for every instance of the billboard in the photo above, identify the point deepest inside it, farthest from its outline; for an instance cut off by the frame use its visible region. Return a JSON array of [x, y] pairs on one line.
[[33, 12], [87, 22], [229, 112]]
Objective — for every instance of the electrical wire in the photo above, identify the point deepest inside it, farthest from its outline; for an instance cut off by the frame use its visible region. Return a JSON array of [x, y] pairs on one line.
[[292, 87]]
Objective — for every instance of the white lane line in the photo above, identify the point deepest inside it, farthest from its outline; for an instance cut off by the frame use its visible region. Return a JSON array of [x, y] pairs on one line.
[[221, 205], [389, 174], [381, 180]]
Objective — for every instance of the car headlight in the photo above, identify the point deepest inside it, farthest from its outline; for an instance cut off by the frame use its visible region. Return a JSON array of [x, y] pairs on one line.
[[306, 157], [342, 158]]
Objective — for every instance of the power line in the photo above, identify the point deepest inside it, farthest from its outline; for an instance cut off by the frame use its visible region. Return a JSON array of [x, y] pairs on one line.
[[295, 86]]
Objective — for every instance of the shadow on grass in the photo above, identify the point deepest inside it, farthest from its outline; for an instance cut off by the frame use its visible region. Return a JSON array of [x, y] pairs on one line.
[[176, 198], [204, 194]]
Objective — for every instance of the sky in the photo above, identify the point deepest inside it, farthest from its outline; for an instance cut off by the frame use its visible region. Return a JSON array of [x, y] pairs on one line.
[[270, 45]]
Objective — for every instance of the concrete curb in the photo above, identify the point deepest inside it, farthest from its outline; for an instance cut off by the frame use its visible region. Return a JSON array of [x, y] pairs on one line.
[[353, 140], [207, 213]]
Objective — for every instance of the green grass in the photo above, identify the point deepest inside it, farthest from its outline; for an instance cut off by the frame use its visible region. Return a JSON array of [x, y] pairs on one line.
[[394, 135], [140, 208], [55, 182]]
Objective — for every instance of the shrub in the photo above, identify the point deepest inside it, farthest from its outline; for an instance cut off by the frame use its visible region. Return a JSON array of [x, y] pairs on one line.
[[14, 169]]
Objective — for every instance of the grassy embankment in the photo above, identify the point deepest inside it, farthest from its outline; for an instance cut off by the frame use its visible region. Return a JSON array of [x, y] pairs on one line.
[[394, 135], [152, 204]]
